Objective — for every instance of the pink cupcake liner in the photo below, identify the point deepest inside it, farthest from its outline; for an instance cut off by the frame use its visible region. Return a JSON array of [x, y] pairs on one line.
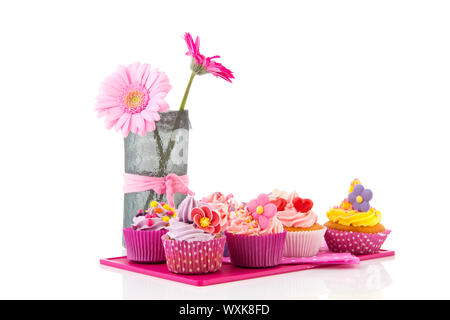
[[356, 243], [256, 251], [144, 246], [303, 243], [197, 257]]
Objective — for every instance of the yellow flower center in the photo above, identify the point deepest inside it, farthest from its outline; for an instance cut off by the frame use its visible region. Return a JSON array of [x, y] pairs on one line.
[[359, 199], [134, 99], [259, 209], [166, 219], [166, 206], [204, 222]]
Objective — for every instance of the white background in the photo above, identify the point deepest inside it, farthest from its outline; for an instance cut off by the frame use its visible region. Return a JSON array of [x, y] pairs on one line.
[[325, 91]]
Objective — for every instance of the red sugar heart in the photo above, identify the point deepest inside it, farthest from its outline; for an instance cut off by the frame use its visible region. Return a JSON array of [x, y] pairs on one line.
[[280, 203], [302, 205]]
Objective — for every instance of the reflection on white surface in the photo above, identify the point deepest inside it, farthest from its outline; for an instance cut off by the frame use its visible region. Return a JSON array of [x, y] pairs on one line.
[[365, 281], [137, 286]]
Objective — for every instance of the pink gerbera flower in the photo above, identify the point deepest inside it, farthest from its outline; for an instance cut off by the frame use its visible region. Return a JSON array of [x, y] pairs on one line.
[[132, 98], [201, 64], [262, 210]]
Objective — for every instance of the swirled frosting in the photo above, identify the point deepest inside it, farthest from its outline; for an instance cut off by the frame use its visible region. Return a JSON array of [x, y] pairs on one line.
[[290, 217], [142, 223], [185, 208], [349, 217], [155, 218], [276, 193], [182, 231], [348, 214], [222, 205], [242, 223], [275, 226], [292, 196]]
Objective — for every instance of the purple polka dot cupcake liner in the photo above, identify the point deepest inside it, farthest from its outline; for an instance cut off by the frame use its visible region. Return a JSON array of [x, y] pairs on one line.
[[144, 246], [256, 251], [356, 243], [197, 257]]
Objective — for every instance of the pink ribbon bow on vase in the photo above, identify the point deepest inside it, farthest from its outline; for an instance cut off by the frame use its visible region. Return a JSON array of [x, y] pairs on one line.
[[168, 185]]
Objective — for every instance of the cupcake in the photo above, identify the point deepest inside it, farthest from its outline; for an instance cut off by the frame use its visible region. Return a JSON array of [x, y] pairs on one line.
[[223, 206], [354, 226], [185, 207], [255, 236], [195, 247], [143, 239], [304, 235]]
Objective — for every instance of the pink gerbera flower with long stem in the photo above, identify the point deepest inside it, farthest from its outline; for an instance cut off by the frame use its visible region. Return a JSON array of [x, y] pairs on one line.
[[131, 98], [202, 65]]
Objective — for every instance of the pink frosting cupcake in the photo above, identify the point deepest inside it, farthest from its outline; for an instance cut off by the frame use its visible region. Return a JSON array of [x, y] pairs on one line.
[[304, 235], [255, 236], [223, 205]]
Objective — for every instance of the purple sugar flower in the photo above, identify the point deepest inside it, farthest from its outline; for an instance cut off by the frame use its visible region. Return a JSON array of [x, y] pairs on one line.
[[360, 197]]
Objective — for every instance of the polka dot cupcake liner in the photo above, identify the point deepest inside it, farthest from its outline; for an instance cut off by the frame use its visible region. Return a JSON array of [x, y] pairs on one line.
[[256, 251], [197, 257], [356, 243], [144, 246], [303, 243]]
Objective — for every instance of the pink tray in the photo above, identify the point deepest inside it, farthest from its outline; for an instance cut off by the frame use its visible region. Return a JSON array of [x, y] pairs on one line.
[[228, 272]]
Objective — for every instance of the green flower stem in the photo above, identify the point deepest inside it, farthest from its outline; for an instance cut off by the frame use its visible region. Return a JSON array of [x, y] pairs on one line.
[[164, 156], [186, 93], [171, 144], [159, 145], [161, 164]]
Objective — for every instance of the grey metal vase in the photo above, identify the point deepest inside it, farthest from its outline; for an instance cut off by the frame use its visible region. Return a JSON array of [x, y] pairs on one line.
[[142, 157]]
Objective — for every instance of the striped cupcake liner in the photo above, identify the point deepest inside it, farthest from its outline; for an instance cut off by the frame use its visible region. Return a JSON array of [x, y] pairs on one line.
[[144, 246], [256, 251], [303, 243]]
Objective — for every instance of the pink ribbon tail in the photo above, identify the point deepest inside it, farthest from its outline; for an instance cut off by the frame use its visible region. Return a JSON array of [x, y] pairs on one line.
[[168, 185]]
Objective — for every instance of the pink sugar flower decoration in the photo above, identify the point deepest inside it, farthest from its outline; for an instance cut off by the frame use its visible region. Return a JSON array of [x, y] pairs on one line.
[[201, 64], [206, 219], [262, 210], [132, 97]]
